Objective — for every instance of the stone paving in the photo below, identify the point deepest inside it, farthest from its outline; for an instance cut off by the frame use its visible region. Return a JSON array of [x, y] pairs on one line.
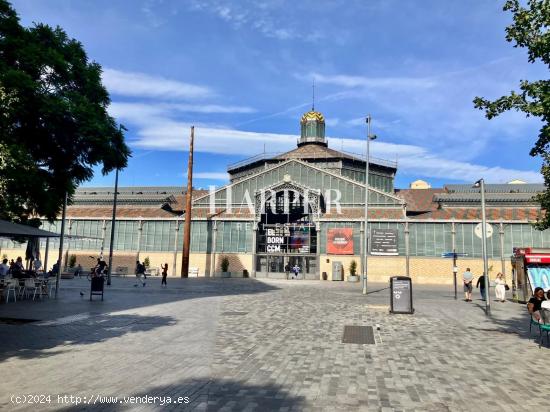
[[244, 344]]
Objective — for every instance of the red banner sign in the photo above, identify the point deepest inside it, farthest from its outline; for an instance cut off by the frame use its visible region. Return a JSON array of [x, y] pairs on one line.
[[340, 241]]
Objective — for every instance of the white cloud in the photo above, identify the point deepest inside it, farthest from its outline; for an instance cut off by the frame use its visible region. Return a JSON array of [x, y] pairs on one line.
[[374, 82], [211, 175], [264, 17], [413, 160], [146, 112], [144, 85]]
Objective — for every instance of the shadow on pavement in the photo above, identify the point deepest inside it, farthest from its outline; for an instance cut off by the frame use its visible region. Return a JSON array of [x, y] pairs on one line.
[[121, 295], [38, 340], [204, 395]]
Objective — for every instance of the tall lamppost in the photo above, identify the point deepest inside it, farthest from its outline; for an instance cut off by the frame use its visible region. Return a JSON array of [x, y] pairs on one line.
[[366, 242], [113, 222], [481, 185]]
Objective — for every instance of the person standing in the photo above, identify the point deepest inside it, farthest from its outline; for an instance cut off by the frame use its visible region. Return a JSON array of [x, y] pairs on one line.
[[500, 287], [467, 279], [164, 273], [481, 285]]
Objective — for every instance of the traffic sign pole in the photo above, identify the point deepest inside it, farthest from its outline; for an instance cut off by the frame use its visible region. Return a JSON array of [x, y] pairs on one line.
[[454, 272]]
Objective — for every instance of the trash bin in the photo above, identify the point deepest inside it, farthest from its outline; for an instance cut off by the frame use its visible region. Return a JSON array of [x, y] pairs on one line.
[[337, 271], [401, 295]]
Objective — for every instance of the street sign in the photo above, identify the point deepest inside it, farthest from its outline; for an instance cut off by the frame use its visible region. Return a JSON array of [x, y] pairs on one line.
[[451, 254], [479, 230]]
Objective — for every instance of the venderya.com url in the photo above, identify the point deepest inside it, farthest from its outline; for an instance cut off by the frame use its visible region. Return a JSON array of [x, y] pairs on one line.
[[94, 399]]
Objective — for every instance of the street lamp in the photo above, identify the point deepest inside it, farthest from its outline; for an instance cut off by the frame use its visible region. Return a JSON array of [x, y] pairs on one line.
[[366, 242], [481, 185]]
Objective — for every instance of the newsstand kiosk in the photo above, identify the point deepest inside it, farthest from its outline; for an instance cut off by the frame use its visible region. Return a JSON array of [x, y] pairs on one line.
[[530, 269]]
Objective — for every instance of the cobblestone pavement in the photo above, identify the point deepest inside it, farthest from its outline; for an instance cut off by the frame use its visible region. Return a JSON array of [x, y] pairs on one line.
[[243, 344]]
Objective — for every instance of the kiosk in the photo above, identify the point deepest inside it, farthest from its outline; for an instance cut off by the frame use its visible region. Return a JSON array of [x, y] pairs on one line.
[[530, 269]]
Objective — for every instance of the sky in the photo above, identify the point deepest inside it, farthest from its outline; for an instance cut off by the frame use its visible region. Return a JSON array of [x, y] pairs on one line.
[[242, 72]]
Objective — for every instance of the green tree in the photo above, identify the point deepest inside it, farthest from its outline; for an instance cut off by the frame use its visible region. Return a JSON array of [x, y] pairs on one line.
[[54, 125], [530, 30]]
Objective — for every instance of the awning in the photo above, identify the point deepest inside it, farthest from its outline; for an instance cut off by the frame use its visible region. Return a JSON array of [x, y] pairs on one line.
[[15, 229]]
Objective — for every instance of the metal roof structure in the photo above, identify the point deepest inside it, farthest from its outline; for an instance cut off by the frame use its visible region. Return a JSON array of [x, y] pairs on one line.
[[532, 188]]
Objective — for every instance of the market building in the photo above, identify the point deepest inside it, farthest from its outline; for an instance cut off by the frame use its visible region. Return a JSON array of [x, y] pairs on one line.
[[304, 207]]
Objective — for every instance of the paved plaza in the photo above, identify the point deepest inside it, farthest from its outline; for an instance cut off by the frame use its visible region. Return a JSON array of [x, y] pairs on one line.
[[244, 344]]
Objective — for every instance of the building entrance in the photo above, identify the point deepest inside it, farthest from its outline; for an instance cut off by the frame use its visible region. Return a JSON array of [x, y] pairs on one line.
[[280, 266], [287, 237]]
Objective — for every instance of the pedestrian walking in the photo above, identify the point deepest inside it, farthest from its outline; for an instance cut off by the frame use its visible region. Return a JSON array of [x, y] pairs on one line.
[[467, 279], [164, 273], [500, 287], [140, 270], [295, 271], [287, 271], [481, 285]]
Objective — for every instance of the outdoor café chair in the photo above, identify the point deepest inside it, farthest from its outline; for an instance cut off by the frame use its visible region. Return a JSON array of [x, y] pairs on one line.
[[30, 286], [11, 288]]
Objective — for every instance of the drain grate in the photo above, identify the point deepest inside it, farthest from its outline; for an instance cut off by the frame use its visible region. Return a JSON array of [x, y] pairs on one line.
[[358, 334], [16, 321], [234, 313]]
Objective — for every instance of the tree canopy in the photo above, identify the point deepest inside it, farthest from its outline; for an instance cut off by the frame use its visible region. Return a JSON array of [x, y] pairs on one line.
[[54, 125], [530, 30]]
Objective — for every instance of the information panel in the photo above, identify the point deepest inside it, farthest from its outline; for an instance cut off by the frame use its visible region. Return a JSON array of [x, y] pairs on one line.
[[383, 242]]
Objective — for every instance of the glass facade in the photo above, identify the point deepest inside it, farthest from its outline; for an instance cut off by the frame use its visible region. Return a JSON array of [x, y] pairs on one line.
[[426, 239]]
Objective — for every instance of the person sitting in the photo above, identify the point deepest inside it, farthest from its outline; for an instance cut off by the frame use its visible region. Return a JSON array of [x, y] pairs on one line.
[[100, 267], [17, 268], [4, 269], [534, 304]]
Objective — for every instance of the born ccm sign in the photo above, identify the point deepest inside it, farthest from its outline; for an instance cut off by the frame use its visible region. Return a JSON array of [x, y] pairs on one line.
[[274, 241]]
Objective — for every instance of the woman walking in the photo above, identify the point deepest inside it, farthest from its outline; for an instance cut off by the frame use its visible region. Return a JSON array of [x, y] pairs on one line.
[[164, 274], [500, 288]]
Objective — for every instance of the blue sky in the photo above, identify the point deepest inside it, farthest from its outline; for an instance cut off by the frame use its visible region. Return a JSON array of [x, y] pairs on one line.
[[241, 72]]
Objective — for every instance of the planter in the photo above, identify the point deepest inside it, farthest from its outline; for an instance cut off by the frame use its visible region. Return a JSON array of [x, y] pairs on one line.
[[226, 274], [353, 278]]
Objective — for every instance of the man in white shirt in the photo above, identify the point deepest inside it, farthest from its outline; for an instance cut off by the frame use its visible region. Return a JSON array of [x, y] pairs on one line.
[[467, 279], [4, 268]]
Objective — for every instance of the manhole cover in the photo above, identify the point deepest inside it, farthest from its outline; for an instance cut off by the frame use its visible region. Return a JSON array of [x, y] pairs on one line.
[[16, 321], [234, 313], [358, 334]]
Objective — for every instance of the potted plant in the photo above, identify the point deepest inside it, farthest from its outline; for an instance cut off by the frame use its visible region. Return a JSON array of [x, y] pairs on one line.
[[146, 262], [352, 272], [224, 264], [72, 261]]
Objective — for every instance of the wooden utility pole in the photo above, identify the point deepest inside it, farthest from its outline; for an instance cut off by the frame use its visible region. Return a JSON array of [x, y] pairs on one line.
[[188, 197]]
